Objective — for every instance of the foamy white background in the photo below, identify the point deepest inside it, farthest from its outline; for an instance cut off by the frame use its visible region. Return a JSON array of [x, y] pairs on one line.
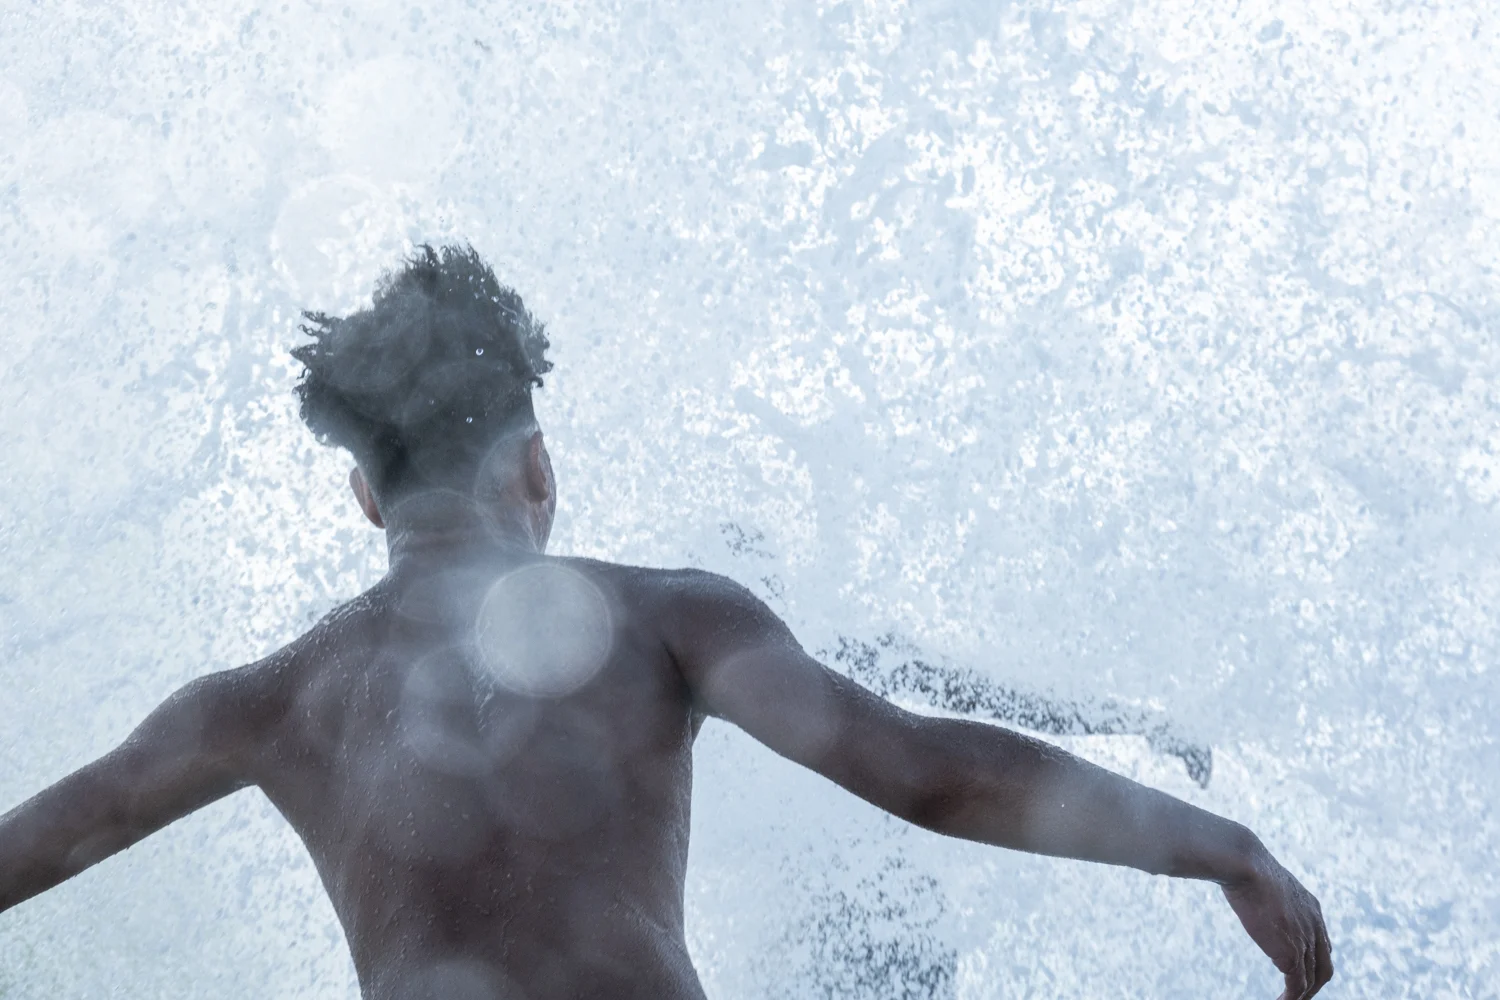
[[1143, 350]]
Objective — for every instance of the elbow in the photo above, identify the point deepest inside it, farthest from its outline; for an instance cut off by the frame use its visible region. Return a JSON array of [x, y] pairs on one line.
[[949, 784], [939, 789], [919, 769], [938, 808]]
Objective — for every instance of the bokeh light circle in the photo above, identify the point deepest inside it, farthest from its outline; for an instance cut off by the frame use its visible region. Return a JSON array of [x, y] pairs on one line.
[[543, 630]]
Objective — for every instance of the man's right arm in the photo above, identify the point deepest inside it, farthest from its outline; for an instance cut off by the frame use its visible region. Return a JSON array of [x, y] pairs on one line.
[[974, 780], [195, 748]]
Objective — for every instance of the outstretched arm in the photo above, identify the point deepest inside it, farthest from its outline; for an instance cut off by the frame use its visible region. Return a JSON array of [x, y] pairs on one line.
[[195, 748], [974, 780]]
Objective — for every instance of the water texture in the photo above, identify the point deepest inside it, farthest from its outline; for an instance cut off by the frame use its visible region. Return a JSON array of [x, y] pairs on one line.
[[1124, 371]]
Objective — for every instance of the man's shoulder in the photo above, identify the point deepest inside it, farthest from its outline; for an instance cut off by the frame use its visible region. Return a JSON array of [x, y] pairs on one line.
[[689, 608], [656, 589], [273, 680]]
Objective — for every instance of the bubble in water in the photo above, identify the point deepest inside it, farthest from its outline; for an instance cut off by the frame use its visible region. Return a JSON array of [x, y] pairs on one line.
[[13, 114], [543, 630], [392, 119], [333, 237], [89, 177]]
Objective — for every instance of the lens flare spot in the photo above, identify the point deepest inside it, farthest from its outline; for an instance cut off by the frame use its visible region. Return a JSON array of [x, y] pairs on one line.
[[458, 979], [436, 717], [543, 630]]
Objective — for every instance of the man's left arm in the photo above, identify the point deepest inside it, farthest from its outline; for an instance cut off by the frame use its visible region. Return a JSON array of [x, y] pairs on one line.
[[197, 747]]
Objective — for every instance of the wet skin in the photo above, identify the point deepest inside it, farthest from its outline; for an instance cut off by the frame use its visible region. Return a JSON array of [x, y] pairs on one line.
[[477, 840], [486, 832]]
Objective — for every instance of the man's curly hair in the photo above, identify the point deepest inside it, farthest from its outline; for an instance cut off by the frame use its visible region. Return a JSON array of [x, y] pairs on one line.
[[419, 386]]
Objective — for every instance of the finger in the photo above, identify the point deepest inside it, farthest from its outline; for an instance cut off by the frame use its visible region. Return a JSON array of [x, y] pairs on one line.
[[1295, 970], [1325, 958], [1287, 963], [1310, 962], [1296, 985]]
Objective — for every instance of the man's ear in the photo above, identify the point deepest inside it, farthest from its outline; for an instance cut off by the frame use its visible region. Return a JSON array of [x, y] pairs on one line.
[[539, 481], [364, 496]]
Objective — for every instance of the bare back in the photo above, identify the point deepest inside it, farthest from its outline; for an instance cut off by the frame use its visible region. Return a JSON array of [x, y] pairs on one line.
[[478, 840]]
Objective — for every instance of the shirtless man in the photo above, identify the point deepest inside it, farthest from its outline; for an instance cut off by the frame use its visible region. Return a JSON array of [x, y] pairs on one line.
[[489, 753]]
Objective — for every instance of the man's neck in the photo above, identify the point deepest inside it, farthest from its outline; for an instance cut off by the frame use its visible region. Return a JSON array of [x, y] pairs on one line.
[[445, 529]]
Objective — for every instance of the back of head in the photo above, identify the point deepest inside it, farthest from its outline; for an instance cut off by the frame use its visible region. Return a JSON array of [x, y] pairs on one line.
[[422, 384]]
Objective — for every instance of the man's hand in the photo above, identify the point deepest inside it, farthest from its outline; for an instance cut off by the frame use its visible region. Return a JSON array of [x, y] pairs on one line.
[[1286, 921]]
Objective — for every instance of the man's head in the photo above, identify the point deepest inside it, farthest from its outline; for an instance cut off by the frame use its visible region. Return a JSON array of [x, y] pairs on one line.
[[430, 388]]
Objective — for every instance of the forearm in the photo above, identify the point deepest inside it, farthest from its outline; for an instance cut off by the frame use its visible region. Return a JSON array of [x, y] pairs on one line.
[[1000, 787]]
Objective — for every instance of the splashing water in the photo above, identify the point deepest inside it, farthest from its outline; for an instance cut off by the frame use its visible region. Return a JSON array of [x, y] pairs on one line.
[[1131, 365]]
